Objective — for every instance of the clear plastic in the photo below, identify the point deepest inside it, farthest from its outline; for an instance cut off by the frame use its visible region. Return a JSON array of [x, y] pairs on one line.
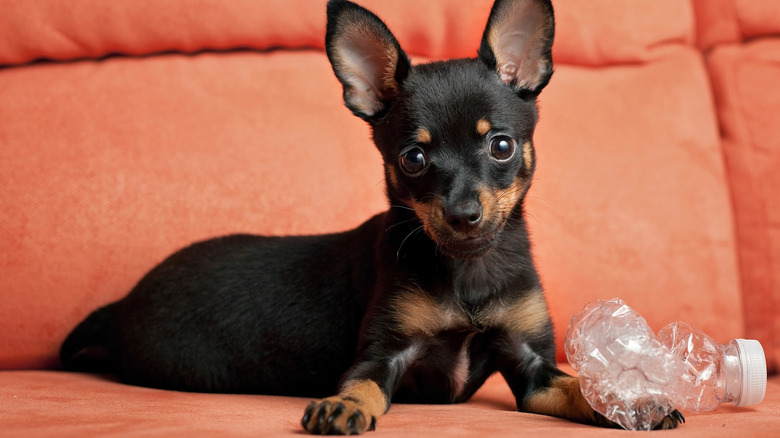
[[635, 378]]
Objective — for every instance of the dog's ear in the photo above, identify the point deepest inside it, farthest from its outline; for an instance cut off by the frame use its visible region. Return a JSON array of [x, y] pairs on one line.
[[517, 43], [366, 58]]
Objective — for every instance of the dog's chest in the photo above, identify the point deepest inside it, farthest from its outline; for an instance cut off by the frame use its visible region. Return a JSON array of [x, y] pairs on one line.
[[439, 360], [438, 368], [450, 340]]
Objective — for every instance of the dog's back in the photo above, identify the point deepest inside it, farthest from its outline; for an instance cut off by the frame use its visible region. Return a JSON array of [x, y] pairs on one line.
[[242, 314]]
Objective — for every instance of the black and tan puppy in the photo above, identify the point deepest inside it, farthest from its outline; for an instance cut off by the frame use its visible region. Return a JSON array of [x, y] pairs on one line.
[[420, 303]]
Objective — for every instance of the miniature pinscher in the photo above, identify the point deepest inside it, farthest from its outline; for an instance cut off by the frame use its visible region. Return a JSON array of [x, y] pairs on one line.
[[420, 303]]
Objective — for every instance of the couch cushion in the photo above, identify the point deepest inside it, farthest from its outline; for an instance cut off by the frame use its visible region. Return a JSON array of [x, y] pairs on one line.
[[92, 28], [46, 403], [732, 21], [593, 33], [630, 199], [744, 78], [110, 166]]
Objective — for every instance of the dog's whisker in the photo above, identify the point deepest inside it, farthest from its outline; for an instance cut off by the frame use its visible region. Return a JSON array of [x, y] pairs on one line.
[[399, 223], [401, 207], [411, 233]]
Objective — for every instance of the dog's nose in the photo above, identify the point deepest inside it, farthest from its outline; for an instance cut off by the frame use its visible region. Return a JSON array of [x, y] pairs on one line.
[[464, 216]]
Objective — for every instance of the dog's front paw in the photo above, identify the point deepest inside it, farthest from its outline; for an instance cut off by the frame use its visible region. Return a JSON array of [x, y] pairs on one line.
[[671, 421], [337, 416]]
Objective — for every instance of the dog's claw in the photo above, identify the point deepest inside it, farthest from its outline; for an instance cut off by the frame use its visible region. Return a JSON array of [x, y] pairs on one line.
[[321, 413], [352, 422], [307, 414], [671, 421], [335, 413], [336, 416]]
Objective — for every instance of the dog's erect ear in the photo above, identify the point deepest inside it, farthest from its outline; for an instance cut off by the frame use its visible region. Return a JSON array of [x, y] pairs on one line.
[[517, 43], [366, 58]]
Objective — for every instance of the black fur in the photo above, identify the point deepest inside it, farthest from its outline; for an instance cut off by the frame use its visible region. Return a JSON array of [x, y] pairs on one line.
[[402, 301]]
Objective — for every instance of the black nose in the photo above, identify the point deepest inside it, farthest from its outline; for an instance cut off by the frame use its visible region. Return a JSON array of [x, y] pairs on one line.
[[464, 216]]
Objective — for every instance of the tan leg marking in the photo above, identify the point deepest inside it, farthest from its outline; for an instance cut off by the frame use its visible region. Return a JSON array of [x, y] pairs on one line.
[[367, 394], [562, 399]]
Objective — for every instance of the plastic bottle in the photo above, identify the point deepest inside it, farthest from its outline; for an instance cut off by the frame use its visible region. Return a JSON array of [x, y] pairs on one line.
[[635, 378]]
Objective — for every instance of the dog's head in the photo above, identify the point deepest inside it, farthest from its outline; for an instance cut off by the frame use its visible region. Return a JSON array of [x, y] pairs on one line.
[[456, 136]]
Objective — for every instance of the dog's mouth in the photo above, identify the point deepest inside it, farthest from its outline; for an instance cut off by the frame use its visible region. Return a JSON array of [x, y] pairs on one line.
[[461, 244], [469, 247]]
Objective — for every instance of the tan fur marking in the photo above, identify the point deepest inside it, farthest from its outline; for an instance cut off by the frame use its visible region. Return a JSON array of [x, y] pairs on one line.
[[417, 313], [354, 410], [483, 127], [367, 394], [528, 155], [424, 136], [506, 199], [497, 204], [431, 215], [392, 176], [488, 201], [562, 399], [528, 315]]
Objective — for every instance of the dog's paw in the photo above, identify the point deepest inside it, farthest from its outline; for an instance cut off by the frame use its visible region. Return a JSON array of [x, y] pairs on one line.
[[337, 416], [671, 421]]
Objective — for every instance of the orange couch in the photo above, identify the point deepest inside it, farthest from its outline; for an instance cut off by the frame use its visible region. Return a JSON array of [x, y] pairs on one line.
[[130, 128]]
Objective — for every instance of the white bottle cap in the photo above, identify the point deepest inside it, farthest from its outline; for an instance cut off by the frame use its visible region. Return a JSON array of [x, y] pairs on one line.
[[753, 364]]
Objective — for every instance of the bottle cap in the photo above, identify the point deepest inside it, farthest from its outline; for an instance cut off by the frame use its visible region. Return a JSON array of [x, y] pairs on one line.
[[753, 363]]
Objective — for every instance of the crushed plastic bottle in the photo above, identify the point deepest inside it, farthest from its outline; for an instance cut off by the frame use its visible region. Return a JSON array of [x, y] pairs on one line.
[[635, 378]]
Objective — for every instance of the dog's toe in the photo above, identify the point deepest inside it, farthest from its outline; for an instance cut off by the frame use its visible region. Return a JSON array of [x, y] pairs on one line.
[[671, 421], [336, 416]]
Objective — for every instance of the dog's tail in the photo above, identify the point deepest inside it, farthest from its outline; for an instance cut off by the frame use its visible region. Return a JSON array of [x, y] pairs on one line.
[[87, 347]]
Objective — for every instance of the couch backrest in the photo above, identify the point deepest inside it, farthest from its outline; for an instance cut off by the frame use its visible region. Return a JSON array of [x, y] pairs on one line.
[[741, 40], [110, 164]]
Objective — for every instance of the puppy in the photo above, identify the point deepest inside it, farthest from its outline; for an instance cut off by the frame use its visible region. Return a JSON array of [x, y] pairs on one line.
[[421, 303]]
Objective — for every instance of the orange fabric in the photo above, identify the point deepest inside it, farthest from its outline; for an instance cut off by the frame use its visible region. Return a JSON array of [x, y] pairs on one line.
[[111, 165], [593, 33], [144, 157], [108, 167], [599, 32], [75, 405], [91, 29], [716, 23], [748, 104], [731, 21], [630, 198]]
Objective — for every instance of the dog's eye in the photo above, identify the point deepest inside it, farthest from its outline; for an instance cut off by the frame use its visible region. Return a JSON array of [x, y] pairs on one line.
[[413, 161], [502, 147]]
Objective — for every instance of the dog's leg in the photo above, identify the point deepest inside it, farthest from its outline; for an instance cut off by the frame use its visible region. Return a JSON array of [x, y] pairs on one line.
[[540, 387], [365, 392], [563, 398]]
